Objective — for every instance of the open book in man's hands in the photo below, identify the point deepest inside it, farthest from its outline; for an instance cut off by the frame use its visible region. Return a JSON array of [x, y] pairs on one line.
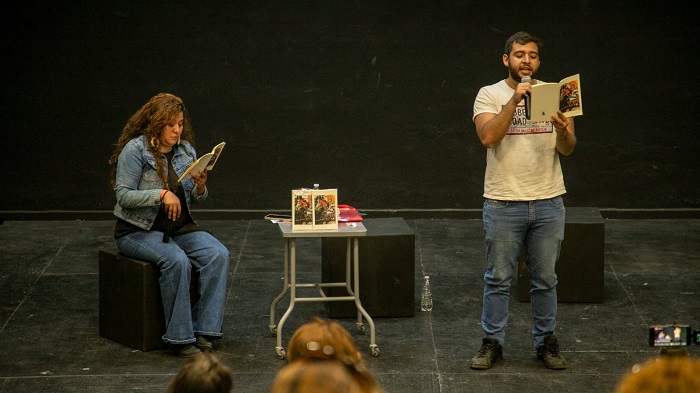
[[547, 98], [206, 161]]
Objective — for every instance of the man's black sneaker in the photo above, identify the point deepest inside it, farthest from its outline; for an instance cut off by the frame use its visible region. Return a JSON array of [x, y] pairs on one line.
[[489, 353], [549, 353]]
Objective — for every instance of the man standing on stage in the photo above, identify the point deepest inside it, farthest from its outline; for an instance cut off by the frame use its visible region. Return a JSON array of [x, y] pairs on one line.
[[523, 188]]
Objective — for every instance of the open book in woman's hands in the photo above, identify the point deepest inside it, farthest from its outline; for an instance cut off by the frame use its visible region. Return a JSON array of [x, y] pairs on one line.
[[206, 161]]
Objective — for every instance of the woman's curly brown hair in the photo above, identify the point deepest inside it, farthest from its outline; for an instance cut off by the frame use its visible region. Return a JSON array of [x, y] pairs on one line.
[[149, 121]]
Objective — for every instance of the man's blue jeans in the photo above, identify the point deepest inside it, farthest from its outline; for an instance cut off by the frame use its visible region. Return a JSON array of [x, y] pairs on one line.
[[198, 250], [539, 225]]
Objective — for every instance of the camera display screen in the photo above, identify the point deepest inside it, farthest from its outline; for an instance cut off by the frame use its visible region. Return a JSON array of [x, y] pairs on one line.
[[669, 336]]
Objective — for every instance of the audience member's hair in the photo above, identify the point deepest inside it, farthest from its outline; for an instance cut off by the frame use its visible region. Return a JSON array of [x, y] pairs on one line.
[[325, 339], [667, 374], [315, 376], [203, 373]]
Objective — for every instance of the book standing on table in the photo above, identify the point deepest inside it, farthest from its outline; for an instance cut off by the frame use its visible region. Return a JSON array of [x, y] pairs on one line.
[[314, 209]]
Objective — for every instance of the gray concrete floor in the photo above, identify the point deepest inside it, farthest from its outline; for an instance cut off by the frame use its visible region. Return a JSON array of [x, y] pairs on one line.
[[49, 338]]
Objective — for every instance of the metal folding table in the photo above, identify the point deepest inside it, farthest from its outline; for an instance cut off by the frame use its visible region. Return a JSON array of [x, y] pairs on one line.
[[351, 231]]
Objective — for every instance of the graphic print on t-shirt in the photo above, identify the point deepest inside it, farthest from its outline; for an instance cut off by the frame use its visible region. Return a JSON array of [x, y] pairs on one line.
[[522, 126]]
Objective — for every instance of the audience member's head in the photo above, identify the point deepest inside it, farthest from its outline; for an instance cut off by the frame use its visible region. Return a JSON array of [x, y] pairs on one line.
[[328, 340], [323, 339], [203, 373], [315, 376], [667, 374]]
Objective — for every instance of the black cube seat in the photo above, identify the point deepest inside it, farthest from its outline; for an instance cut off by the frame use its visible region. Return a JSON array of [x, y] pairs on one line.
[[131, 310], [130, 305], [387, 269]]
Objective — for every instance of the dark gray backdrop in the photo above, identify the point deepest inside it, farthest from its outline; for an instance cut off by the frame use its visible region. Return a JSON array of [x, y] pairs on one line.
[[371, 97]]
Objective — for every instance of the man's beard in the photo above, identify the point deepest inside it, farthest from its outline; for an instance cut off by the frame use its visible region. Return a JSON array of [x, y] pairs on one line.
[[514, 74]]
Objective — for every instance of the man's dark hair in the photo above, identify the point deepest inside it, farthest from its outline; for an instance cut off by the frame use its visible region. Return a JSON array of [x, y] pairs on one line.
[[522, 38]]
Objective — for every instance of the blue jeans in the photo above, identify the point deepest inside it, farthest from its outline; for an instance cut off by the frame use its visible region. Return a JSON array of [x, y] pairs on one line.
[[198, 250], [539, 225]]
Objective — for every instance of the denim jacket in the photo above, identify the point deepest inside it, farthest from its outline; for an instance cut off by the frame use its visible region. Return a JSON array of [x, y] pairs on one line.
[[138, 185]]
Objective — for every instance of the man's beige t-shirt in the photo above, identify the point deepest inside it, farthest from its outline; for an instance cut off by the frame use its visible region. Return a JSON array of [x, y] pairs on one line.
[[524, 166]]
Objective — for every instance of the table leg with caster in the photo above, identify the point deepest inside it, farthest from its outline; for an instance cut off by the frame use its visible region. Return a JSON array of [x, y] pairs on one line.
[[291, 245], [285, 289], [374, 349]]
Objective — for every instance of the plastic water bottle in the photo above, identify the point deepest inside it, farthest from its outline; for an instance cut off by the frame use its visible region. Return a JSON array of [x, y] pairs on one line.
[[426, 299]]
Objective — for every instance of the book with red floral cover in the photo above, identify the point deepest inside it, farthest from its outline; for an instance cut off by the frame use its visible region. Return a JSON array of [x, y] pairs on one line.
[[314, 209], [548, 98]]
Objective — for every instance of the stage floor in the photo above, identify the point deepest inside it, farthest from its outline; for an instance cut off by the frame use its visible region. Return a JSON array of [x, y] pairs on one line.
[[49, 337]]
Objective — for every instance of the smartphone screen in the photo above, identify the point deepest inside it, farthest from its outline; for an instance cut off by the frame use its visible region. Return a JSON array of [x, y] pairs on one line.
[[669, 336]]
